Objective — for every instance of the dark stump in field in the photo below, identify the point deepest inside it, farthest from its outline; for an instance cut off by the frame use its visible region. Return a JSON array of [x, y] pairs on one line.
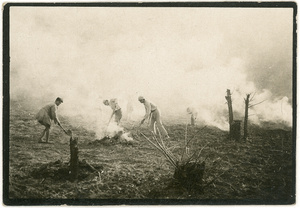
[[60, 171], [190, 175], [74, 160], [235, 131]]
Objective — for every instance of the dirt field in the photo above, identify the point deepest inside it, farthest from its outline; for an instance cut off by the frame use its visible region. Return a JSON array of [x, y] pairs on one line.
[[259, 170]]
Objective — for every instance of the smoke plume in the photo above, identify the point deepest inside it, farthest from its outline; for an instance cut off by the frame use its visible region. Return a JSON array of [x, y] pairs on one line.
[[174, 57]]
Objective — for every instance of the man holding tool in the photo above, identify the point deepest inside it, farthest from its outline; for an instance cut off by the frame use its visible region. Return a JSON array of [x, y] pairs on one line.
[[153, 114], [46, 115], [113, 103]]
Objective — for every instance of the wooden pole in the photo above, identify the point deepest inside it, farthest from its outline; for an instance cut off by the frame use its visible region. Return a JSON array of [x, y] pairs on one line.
[[229, 103], [246, 117], [74, 161]]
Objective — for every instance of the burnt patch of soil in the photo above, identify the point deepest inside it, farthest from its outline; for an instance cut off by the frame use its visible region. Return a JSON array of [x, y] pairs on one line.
[[190, 175], [60, 171]]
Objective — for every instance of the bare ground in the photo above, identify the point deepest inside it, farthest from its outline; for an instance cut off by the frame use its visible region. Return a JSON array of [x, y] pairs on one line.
[[257, 170]]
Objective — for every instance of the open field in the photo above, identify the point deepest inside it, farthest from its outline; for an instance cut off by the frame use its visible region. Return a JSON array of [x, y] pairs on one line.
[[257, 170]]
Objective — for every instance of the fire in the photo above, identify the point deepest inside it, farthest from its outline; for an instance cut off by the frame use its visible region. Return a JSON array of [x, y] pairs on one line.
[[114, 130]]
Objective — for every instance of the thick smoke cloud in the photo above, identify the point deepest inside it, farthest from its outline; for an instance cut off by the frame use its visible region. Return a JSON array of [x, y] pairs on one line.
[[175, 57]]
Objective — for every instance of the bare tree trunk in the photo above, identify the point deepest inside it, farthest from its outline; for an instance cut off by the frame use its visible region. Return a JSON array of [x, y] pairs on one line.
[[74, 161], [229, 102], [246, 117]]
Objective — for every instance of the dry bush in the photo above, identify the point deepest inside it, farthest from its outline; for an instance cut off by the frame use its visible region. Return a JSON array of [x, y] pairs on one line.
[[189, 167]]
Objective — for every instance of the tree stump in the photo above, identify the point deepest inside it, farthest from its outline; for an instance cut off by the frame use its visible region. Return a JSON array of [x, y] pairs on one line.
[[246, 117], [74, 161], [236, 130], [230, 111]]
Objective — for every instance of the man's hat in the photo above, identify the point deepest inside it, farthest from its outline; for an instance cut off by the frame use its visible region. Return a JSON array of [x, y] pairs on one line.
[[59, 99], [141, 98]]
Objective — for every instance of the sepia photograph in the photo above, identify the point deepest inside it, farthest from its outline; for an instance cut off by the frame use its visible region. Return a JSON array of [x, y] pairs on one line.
[[166, 103]]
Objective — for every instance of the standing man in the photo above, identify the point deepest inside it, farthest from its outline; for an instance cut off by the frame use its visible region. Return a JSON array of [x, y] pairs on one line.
[[113, 103], [193, 114], [153, 114], [46, 115]]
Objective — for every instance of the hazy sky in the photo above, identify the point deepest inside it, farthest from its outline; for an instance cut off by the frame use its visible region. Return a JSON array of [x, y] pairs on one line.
[[176, 57]]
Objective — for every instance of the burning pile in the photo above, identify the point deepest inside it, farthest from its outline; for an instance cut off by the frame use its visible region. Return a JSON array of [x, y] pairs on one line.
[[116, 133]]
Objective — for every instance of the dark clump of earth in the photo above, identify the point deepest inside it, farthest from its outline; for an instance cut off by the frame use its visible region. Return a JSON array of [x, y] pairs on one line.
[[60, 171], [190, 175]]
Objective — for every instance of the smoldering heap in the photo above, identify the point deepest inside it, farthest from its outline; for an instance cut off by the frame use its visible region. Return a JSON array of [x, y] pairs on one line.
[[115, 132]]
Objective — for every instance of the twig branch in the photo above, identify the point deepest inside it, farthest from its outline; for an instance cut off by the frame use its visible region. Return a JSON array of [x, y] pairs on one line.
[[198, 156], [161, 149], [215, 178], [169, 154], [256, 104], [194, 136], [252, 97], [90, 166], [188, 142]]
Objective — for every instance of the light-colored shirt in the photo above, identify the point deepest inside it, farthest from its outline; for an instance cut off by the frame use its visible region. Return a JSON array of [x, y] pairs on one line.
[[51, 110], [149, 107], [113, 103]]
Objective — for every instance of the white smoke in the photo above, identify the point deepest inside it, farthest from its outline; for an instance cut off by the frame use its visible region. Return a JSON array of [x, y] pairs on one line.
[[172, 57], [113, 129]]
